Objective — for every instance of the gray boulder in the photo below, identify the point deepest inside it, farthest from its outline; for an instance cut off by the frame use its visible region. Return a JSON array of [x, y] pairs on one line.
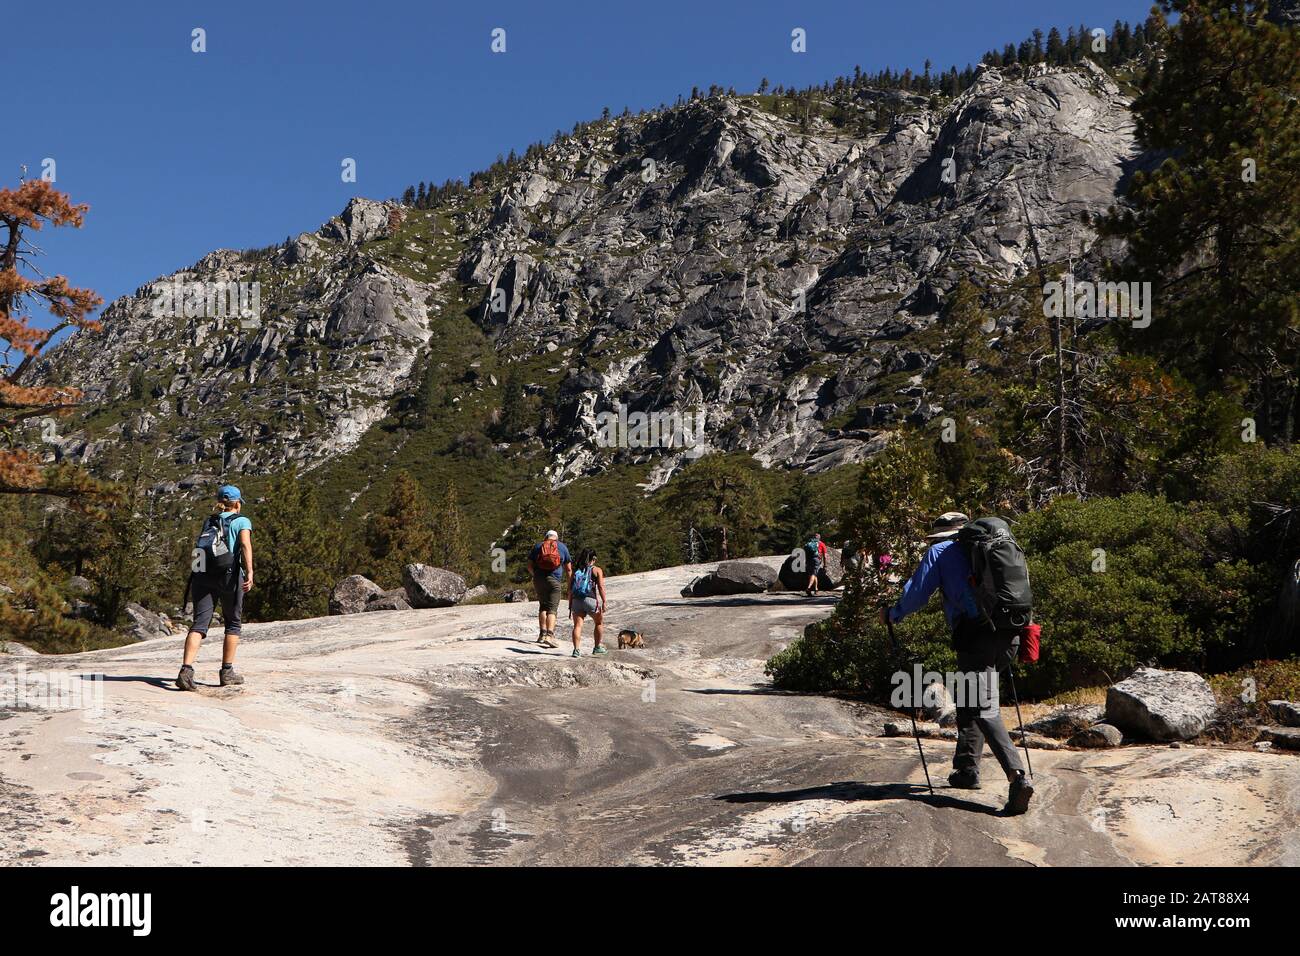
[[1097, 736], [351, 595], [733, 577], [362, 221], [1161, 705], [478, 591], [937, 705], [743, 577], [146, 624], [517, 596], [388, 601], [1066, 720], [79, 585], [794, 577], [1285, 712], [427, 586], [1288, 738]]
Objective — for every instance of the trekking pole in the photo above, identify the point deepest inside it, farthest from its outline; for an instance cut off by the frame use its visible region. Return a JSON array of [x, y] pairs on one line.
[[915, 733], [1023, 742]]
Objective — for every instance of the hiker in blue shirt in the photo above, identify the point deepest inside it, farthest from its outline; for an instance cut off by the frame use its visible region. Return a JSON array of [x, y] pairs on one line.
[[981, 651], [208, 587]]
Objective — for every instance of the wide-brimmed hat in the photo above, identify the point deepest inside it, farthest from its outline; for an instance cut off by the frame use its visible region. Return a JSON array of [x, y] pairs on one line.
[[946, 525]]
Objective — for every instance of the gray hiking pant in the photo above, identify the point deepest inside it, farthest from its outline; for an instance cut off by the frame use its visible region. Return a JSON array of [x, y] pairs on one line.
[[208, 593], [983, 657]]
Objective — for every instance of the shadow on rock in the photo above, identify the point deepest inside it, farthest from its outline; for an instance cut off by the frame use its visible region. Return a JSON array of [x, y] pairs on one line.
[[748, 600], [851, 791], [161, 682]]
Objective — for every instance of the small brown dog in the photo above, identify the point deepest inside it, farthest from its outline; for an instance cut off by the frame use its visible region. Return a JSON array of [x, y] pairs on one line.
[[630, 639]]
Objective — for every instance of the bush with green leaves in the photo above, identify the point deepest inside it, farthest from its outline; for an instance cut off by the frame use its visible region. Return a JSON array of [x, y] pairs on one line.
[[1121, 582], [1118, 583]]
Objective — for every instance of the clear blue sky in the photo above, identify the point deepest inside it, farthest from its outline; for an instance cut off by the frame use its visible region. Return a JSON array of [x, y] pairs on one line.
[[179, 153]]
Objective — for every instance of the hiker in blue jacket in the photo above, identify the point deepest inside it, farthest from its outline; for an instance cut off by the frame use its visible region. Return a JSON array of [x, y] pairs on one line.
[[981, 650]]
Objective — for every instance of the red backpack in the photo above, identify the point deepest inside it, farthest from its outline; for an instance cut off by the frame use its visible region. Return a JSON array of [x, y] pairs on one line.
[[549, 557]]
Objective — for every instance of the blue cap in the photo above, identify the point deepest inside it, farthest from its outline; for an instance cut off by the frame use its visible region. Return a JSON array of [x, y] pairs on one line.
[[228, 493]]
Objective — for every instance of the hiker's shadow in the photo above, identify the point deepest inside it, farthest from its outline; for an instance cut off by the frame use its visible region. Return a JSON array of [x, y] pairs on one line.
[[512, 639], [159, 682], [853, 791]]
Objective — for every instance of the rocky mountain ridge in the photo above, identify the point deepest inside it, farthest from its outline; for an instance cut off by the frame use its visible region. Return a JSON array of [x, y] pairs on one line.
[[716, 256]]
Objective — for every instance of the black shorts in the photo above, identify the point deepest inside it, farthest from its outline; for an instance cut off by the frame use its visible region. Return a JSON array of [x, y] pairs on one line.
[[207, 592]]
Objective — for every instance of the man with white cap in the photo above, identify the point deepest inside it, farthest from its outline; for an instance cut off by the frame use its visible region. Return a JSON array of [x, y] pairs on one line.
[[981, 650], [549, 562]]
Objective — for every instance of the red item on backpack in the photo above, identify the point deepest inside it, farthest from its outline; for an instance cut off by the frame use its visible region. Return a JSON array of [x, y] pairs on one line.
[[548, 559], [1029, 644]]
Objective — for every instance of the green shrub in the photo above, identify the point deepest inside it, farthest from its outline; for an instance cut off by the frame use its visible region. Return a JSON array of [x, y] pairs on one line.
[[831, 658], [1164, 595], [1120, 582]]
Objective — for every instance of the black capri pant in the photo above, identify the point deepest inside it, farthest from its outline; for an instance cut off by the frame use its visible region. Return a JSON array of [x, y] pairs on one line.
[[207, 592]]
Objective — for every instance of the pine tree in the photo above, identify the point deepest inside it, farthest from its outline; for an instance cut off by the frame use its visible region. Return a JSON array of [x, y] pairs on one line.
[[296, 554], [1055, 47], [403, 534], [646, 539], [34, 204], [514, 407], [722, 498], [31, 608], [1216, 228], [799, 516], [126, 563], [451, 547]]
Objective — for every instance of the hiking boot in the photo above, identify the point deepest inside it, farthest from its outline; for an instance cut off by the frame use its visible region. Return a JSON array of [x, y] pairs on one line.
[[545, 640], [599, 649], [185, 679], [964, 780], [577, 653], [228, 676], [1018, 797]]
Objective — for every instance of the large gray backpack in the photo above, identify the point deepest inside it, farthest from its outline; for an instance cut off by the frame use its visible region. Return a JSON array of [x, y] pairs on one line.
[[999, 573]]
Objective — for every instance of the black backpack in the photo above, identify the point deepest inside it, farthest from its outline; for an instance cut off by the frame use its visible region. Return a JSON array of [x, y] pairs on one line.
[[212, 555], [999, 573]]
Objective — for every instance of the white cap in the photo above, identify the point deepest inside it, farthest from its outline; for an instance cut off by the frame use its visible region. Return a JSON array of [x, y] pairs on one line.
[[552, 534]]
